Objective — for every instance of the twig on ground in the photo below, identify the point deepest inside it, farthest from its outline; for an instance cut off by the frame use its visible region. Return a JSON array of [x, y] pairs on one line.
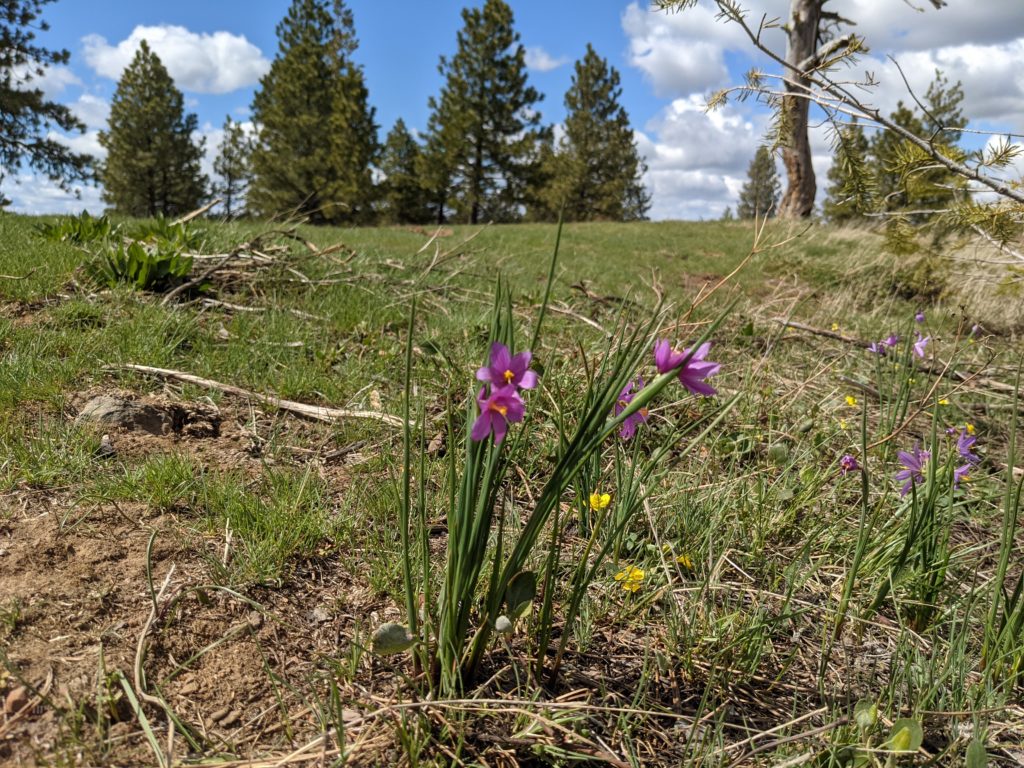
[[197, 212], [239, 308], [316, 412]]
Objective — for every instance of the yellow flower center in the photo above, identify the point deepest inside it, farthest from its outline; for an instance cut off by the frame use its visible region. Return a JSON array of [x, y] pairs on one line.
[[508, 376], [502, 409]]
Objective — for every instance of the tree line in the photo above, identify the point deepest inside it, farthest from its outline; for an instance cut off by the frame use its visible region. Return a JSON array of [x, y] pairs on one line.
[[314, 151]]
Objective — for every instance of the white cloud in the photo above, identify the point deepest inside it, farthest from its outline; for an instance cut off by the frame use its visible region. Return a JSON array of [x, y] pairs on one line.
[[540, 60], [91, 110], [87, 143], [52, 82], [896, 25], [203, 63], [32, 193], [680, 53], [697, 161]]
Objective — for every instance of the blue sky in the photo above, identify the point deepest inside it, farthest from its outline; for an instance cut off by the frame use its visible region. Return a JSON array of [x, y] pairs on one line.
[[216, 51], [399, 45]]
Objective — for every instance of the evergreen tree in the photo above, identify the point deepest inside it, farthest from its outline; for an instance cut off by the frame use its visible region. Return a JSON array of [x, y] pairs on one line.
[[233, 167], [596, 172], [405, 200], [851, 188], [481, 154], [316, 135], [26, 116], [760, 195], [886, 150], [908, 179], [152, 166]]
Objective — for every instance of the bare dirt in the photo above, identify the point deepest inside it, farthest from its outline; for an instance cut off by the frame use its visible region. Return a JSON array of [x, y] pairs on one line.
[[243, 673]]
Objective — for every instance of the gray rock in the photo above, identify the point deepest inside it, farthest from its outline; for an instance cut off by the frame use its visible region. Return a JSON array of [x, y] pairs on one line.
[[126, 414]]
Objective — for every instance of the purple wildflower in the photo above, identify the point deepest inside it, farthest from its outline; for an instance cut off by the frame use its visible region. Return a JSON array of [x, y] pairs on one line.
[[875, 347], [848, 464], [892, 340], [920, 344], [502, 407], [961, 473], [975, 330], [919, 317], [506, 370], [693, 373], [964, 443], [914, 466], [629, 425]]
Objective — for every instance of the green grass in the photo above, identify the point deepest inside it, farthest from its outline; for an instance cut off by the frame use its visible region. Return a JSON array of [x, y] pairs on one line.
[[744, 641]]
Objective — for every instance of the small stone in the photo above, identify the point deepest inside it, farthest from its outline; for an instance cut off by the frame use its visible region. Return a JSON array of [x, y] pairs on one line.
[[255, 619], [126, 414], [220, 714], [106, 448], [231, 718], [16, 700], [320, 615]]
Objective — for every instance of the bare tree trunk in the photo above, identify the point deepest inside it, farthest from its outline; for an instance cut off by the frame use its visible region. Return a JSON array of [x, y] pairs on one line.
[[798, 201]]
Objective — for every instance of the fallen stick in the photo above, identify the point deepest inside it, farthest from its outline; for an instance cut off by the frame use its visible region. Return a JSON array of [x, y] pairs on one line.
[[240, 308], [316, 412]]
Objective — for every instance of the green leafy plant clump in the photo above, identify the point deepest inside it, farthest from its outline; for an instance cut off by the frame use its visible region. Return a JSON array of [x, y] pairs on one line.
[[77, 230], [148, 268]]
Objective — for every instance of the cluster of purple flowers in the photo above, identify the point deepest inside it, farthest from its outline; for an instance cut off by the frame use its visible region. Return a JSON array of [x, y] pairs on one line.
[[693, 370], [506, 375], [915, 463], [883, 346]]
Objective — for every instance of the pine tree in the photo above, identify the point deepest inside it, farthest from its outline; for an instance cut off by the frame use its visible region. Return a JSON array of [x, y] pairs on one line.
[[909, 180], [26, 116], [760, 194], [233, 167], [596, 172], [481, 154], [316, 135], [405, 200], [886, 150], [152, 166], [851, 190]]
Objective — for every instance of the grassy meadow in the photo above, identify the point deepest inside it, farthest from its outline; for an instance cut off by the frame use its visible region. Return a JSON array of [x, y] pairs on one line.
[[207, 594]]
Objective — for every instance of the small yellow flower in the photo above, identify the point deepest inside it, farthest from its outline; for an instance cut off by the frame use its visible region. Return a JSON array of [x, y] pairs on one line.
[[599, 501], [631, 578], [843, 424], [851, 400], [944, 401], [686, 561], [970, 428], [911, 380], [835, 326]]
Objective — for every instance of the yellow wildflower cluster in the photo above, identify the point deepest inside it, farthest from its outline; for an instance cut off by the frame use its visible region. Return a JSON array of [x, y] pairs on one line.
[[631, 578]]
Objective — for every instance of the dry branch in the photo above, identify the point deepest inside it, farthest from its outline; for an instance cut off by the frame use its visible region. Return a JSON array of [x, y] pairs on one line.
[[315, 412]]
